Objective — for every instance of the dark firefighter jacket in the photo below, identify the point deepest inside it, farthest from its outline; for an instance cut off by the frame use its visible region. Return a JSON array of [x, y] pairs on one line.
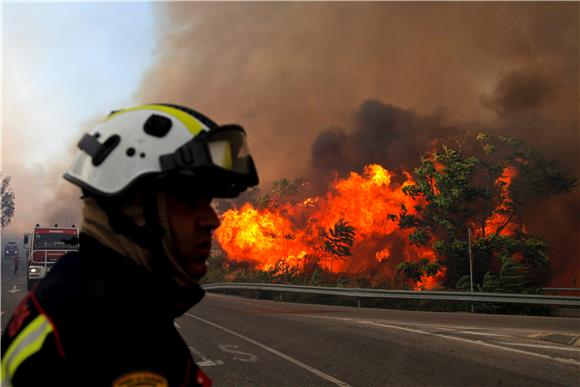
[[99, 319]]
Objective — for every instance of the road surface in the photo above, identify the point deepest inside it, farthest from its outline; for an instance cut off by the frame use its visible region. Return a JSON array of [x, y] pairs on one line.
[[245, 342]]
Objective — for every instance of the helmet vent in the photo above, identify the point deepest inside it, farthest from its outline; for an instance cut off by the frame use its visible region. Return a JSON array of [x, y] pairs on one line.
[[157, 126]]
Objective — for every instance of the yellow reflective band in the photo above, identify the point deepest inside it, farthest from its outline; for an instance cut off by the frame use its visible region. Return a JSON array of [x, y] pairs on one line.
[[190, 122], [26, 344]]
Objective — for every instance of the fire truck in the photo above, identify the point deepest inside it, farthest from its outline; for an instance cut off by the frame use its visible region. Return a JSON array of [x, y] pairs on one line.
[[48, 245]]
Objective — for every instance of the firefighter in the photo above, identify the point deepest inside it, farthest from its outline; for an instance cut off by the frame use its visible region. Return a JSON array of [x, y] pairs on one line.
[[105, 316], [16, 263]]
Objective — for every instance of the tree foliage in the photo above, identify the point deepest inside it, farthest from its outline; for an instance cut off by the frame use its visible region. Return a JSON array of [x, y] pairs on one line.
[[338, 240], [485, 185], [416, 270], [7, 197]]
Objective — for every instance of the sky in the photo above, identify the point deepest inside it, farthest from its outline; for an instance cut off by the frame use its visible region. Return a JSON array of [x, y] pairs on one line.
[[64, 65]]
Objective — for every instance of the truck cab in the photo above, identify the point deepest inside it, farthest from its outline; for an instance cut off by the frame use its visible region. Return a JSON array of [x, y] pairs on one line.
[[49, 244]]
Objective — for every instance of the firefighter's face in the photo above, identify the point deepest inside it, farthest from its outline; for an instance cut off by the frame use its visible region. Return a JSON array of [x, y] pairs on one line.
[[191, 222]]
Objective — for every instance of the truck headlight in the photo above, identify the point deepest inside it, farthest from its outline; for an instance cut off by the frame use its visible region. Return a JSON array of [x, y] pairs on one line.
[[34, 270]]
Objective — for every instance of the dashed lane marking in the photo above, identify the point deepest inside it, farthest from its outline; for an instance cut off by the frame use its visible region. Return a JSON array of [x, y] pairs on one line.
[[176, 325], [542, 346], [292, 360], [482, 334], [476, 342]]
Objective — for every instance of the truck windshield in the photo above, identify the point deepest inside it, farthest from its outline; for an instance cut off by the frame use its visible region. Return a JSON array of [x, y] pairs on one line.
[[55, 242]]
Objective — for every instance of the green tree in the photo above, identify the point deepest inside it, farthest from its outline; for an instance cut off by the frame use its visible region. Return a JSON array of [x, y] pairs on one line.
[[485, 185], [338, 240], [7, 197], [415, 270]]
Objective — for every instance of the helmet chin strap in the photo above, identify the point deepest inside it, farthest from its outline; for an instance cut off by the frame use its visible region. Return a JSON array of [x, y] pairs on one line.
[[154, 233], [169, 253]]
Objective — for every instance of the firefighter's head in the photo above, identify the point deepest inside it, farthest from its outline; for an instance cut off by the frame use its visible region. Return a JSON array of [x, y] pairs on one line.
[[149, 174]]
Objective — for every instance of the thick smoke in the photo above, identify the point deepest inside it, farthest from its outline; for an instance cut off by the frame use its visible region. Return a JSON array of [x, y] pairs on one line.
[[382, 134]]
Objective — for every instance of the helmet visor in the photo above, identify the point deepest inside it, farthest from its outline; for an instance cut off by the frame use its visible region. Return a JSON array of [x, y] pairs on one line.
[[220, 156]]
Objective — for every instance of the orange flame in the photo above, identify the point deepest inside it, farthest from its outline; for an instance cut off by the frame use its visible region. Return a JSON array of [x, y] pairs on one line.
[[383, 255], [429, 282], [501, 220], [293, 232]]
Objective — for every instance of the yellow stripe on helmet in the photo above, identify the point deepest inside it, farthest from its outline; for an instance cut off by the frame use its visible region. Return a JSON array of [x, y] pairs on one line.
[[192, 124]]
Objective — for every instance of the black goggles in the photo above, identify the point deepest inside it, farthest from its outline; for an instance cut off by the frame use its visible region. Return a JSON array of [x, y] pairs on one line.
[[220, 157]]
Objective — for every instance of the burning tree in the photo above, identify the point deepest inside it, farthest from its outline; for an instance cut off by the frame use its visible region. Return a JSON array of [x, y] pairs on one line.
[[338, 240], [7, 196], [488, 193]]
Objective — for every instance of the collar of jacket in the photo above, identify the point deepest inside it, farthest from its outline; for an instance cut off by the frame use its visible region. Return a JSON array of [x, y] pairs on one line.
[[111, 271]]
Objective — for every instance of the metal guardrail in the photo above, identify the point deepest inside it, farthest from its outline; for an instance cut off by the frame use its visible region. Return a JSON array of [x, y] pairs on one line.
[[560, 289], [403, 294]]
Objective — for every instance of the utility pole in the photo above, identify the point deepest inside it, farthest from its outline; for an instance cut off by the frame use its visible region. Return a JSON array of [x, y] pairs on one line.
[[470, 263]]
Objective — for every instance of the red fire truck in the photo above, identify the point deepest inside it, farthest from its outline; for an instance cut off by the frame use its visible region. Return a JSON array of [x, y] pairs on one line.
[[48, 245]]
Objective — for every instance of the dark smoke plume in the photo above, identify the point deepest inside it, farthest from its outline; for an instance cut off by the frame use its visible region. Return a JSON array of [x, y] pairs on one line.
[[382, 134]]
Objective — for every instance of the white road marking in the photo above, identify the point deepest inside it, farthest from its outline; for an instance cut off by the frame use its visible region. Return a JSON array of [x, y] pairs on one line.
[[244, 357], [482, 334], [236, 301], [319, 373], [476, 342], [541, 346], [14, 290], [176, 325], [205, 362]]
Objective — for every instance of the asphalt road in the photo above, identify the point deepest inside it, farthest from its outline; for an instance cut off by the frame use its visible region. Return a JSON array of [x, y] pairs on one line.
[[244, 342], [13, 287], [263, 343]]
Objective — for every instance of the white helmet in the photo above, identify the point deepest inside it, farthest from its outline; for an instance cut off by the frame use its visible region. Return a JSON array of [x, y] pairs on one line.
[[162, 140]]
